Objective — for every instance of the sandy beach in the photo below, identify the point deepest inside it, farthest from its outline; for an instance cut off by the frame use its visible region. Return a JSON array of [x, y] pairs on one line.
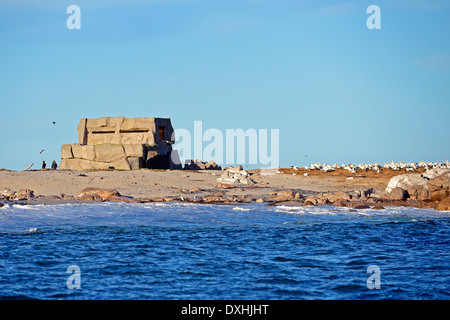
[[271, 185], [151, 184]]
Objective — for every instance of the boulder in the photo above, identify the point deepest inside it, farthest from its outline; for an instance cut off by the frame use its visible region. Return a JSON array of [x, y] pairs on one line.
[[340, 195], [212, 165], [126, 199], [406, 181], [104, 194], [362, 206], [435, 172], [66, 196], [201, 165], [232, 176], [343, 195], [90, 197], [24, 194], [224, 185], [439, 195], [312, 200], [418, 192], [341, 203], [234, 169], [285, 195], [439, 182], [8, 194], [444, 205], [398, 194]]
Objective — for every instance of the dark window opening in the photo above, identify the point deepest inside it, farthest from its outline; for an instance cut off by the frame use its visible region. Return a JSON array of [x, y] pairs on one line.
[[102, 132], [161, 132]]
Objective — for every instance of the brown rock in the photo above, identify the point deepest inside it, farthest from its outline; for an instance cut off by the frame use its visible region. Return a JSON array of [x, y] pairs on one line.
[[378, 207], [439, 195], [8, 194], [343, 195], [213, 199], [285, 195], [341, 203], [398, 194], [104, 194], [440, 182], [362, 206], [195, 189], [308, 203], [123, 199], [90, 197], [226, 186], [24, 194], [66, 196], [400, 203], [260, 200], [415, 191], [424, 194], [333, 197], [313, 200], [443, 205]]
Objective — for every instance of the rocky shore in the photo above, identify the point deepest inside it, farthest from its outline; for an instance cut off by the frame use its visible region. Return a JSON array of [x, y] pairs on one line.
[[357, 188]]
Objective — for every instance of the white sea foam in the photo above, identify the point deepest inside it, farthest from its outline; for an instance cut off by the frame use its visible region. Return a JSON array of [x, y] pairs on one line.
[[241, 209], [44, 217], [289, 209]]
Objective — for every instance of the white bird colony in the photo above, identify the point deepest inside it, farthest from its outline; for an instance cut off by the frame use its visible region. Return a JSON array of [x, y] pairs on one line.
[[410, 166]]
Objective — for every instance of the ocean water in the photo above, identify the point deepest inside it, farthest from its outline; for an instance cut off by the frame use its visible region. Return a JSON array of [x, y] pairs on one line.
[[187, 251]]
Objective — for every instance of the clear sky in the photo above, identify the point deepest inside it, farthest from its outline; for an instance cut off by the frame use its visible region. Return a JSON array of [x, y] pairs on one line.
[[337, 91]]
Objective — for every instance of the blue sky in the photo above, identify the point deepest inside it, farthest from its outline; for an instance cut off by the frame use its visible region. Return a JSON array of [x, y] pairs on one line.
[[337, 91]]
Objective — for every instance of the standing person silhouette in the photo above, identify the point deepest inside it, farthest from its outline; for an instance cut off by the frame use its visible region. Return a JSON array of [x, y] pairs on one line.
[[44, 165], [54, 165]]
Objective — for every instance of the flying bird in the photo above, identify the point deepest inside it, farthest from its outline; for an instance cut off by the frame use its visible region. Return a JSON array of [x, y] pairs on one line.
[[53, 122], [41, 151]]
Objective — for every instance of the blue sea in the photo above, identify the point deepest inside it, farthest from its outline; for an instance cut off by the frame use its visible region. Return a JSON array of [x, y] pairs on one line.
[[178, 251]]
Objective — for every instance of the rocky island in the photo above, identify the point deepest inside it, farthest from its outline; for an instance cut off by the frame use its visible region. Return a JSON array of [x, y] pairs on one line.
[[356, 187]]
